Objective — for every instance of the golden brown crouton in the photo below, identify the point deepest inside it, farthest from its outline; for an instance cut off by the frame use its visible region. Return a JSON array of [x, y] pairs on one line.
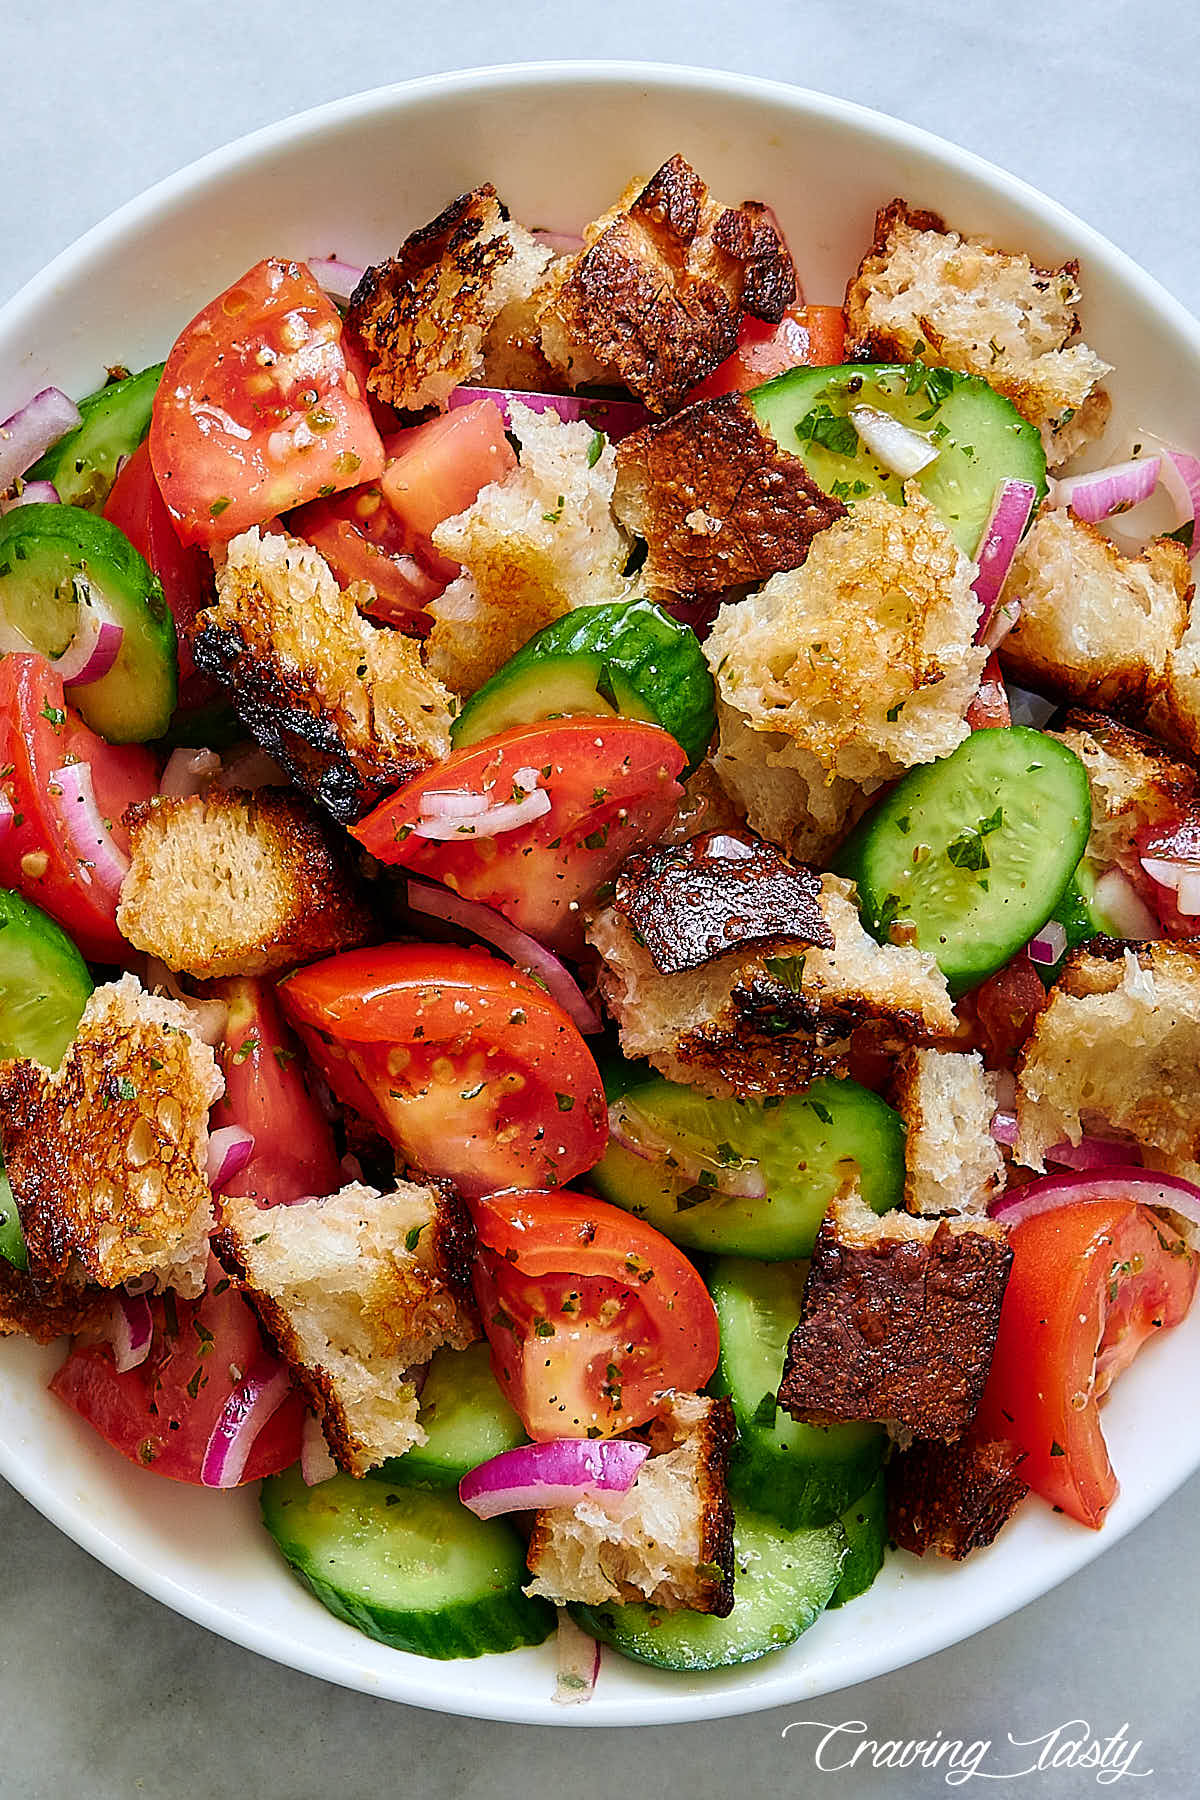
[[669, 1540], [1175, 709], [235, 883], [1134, 782], [355, 1291], [1095, 627], [108, 1156], [653, 300], [952, 1498], [924, 292], [952, 1162], [531, 547], [719, 504], [768, 1021], [1117, 1051], [424, 314], [44, 1308], [898, 1321], [347, 709]]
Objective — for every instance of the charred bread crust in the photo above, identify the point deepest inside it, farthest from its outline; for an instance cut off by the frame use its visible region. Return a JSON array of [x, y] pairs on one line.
[[35, 1305], [898, 1321], [453, 1236], [863, 343], [719, 504], [952, 1498], [692, 902], [717, 1435]]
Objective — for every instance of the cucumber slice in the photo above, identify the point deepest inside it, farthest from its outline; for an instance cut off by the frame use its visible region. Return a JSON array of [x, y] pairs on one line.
[[412, 1568], [783, 1580], [865, 1525], [83, 465], [626, 656], [49, 557], [975, 851], [12, 1238], [806, 1146], [980, 437], [803, 1475], [466, 1416], [1082, 917]]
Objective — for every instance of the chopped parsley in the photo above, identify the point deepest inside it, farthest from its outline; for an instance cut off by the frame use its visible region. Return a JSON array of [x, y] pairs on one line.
[[825, 427]]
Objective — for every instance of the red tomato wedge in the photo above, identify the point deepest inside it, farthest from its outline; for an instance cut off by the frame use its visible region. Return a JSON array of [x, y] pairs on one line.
[[39, 734], [465, 1064], [361, 540], [806, 335], [1176, 842], [258, 411], [1006, 1008], [590, 1313], [437, 469], [1097, 1273], [137, 508], [612, 787]]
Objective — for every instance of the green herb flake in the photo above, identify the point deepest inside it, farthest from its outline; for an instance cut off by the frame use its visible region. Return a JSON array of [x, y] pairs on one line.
[[786, 969], [595, 449], [565, 1102], [218, 506], [764, 1413]]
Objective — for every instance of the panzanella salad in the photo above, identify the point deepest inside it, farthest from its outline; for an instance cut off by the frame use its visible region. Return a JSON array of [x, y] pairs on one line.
[[558, 1011]]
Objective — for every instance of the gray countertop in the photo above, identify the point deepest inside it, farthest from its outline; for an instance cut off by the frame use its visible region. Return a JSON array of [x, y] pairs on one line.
[[104, 1693]]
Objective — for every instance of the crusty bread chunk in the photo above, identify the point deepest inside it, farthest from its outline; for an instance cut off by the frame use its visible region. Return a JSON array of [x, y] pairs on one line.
[[424, 314], [952, 1162], [1175, 709], [719, 504], [768, 1020], [898, 1320], [1134, 782], [777, 784], [859, 664], [108, 1156], [952, 1498], [347, 709], [669, 1540], [1095, 627], [1117, 1051], [923, 292], [38, 1305], [654, 299], [531, 547], [355, 1291], [234, 883]]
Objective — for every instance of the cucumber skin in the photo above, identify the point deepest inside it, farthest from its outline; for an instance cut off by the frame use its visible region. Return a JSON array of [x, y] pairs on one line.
[[12, 1238], [20, 916], [115, 420], [758, 1474], [866, 1528], [433, 1464]]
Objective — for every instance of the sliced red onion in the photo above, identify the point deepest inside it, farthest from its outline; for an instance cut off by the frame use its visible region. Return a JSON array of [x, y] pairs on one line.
[[902, 451], [189, 772], [249, 768], [1120, 1181], [1118, 903], [131, 1328], [1003, 618], [461, 803], [1183, 879], [577, 1658], [563, 243], [1102, 492], [1181, 478], [1011, 509], [1004, 1127], [7, 814], [94, 648], [316, 1464], [1095, 1153], [338, 279], [33, 493], [654, 1141], [256, 1398], [103, 861], [558, 1473], [230, 1148], [615, 418], [525, 951], [486, 821], [1050, 944], [31, 431]]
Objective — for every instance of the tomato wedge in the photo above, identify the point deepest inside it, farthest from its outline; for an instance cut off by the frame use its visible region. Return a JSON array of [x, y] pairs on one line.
[[437, 469], [812, 335], [612, 787], [258, 410], [1094, 1273], [589, 1312], [465, 1064]]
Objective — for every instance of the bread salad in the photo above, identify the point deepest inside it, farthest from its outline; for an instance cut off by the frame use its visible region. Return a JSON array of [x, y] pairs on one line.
[[559, 1011]]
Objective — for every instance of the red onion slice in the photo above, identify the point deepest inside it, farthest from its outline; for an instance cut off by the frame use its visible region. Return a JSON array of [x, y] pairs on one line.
[[1004, 617], [1119, 1181], [1050, 944], [230, 1148], [337, 278], [189, 772], [486, 821], [32, 429], [1004, 1128], [577, 1659], [1118, 902], [7, 814], [131, 1328], [256, 1398], [1102, 492], [1181, 877], [1010, 514], [563, 243], [511, 941], [316, 1464], [901, 451], [1181, 478], [94, 648], [615, 418], [33, 493], [558, 1473], [1095, 1153], [103, 862]]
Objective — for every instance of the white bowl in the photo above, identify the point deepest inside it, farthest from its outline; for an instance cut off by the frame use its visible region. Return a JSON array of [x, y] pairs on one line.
[[559, 141]]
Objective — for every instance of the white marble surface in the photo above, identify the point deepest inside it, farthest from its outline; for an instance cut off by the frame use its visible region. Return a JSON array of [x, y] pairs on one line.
[[104, 1694]]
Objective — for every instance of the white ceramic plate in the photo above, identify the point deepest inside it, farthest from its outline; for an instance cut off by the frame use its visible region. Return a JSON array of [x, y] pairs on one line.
[[559, 141]]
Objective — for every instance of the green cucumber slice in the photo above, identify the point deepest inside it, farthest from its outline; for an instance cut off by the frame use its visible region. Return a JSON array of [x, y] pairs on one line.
[[865, 1525], [12, 1238], [467, 1418], [807, 1146], [980, 437], [625, 656], [974, 851], [407, 1566], [783, 1581], [802, 1475], [51, 557], [83, 464]]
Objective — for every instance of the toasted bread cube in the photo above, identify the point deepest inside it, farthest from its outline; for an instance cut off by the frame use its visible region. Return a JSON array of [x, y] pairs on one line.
[[719, 504], [768, 1020], [1116, 1051], [235, 883], [924, 292], [654, 299], [108, 1156], [1134, 782], [424, 314], [531, 547], [1095, 627], [781, 787], [1175, 710], [669, 1540], [356, 1291], [346, 708], [952, 1162], [952, 1498], [898, 1321], [42, 1308]]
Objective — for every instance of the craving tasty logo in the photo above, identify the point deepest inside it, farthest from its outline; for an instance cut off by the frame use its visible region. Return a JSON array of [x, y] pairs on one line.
[[1072, 1745]]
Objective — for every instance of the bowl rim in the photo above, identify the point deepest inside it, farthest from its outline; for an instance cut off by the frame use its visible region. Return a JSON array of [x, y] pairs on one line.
[[66, 1511]]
